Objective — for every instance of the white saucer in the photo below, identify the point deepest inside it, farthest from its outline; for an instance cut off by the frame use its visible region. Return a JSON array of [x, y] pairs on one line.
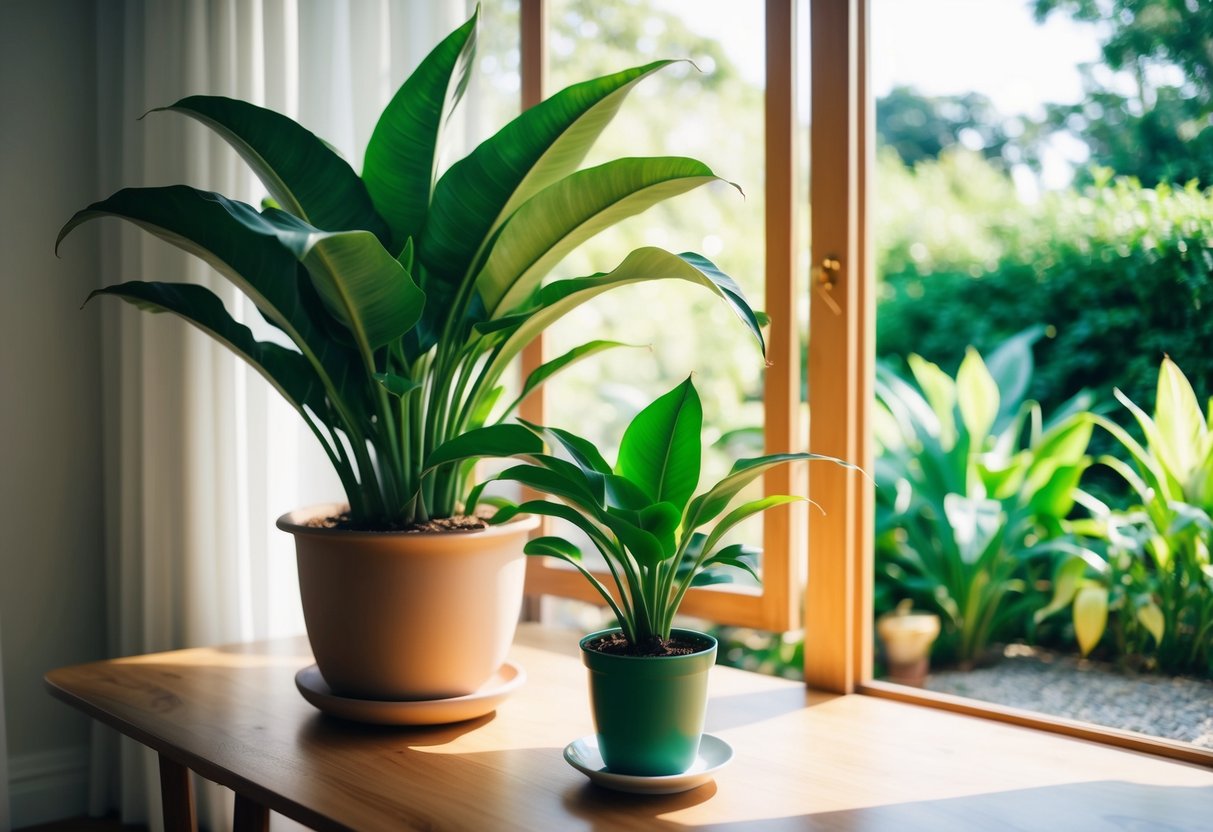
[[508, 678], [714, 754]]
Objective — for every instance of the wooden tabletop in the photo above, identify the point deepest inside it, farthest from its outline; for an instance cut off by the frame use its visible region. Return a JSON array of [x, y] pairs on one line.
[[803, 760]]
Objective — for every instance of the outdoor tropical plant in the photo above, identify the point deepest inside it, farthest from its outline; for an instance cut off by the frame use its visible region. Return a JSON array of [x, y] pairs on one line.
[[657, 536], [1148, 567], [406, 295], [973, 490]]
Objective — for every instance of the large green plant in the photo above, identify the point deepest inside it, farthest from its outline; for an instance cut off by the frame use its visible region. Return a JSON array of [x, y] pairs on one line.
[[642, 513], [974, 487], [407, 298], [1149, 566]]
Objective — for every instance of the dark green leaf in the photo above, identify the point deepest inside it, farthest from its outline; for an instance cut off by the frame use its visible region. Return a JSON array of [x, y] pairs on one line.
[[493, 441], [243, 245], [552, 547], [708, 505], [301, 172], [402, 153], [643, 264], [285, 369]]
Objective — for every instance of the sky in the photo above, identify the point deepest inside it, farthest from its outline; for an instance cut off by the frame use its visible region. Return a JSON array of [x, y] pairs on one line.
[[939, 46], [942, 47]]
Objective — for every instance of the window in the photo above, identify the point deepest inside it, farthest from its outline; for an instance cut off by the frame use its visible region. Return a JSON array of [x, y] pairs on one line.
[[775, 605]]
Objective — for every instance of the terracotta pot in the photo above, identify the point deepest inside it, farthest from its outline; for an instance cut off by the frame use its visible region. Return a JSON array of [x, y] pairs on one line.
[[649, 710], [907, 638], [408, 615]]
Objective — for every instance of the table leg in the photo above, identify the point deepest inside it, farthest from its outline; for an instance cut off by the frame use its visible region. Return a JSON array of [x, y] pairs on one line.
[[177, 796], [251, 816]]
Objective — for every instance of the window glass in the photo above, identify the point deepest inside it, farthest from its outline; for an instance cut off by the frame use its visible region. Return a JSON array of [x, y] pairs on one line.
[[1040, 193]]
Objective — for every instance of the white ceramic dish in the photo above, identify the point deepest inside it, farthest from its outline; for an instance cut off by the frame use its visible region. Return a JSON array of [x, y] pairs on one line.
[[714, 754], [508, 678]]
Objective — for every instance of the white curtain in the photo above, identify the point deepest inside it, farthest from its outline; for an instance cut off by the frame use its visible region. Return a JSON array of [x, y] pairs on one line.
[[201, 454]]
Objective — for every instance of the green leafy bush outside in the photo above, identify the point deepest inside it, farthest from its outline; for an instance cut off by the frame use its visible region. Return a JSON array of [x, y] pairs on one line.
[[1120, 275]]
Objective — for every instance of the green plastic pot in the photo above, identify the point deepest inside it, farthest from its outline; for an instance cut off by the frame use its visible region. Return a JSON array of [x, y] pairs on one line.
[[649, 711]]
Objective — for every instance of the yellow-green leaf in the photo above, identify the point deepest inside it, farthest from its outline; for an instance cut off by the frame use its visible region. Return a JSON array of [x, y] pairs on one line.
[[1090, 616], [1151, 617], [977, 397]]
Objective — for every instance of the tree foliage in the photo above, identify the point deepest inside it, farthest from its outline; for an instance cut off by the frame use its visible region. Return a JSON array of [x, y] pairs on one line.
[[1160, 132]]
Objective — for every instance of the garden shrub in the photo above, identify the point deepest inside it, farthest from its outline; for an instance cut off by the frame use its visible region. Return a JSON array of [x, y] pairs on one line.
[[1120, 275]]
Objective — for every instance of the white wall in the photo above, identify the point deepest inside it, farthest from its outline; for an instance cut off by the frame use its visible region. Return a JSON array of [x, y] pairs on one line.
[[51, 551]]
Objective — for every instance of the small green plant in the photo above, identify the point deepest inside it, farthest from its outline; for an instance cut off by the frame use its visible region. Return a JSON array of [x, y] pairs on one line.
[[405, 296], [1149, 567], [974, 488], [658, 538]]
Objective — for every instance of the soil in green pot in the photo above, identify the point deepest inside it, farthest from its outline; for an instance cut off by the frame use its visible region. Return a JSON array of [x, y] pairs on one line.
[[615, 644]]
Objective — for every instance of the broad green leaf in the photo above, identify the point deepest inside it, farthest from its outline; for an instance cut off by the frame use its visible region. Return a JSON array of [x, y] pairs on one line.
[[570, 489], [580, 449], [1011, 366], [562, 296], [301, 172], [486, 400], [940, 391], [550, 509], [286, 370], [1065, 584], [745, 511], [492, 441], [1055, 497], [362, 285], [593, 482], [662, 447], [1150, 616], [562, 216], [974, 523], [1090, 616], [661, 521], [1181, 425], [561, 549], [739, 556], [244, 246], [708, 505], [977, 397], [402, 153], [542, 145], [1165, 467], [623, 493], [643, 545], [550, 368], [552, 546]]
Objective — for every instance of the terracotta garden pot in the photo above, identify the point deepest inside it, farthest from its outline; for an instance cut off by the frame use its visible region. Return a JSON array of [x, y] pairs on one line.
[[907, 638], [408, 615], [649, 710]]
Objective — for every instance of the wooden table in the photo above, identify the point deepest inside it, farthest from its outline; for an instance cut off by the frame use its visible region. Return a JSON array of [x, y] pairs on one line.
[[803, 760]]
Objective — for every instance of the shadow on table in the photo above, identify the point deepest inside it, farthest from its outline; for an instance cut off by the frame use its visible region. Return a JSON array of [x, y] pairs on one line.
[[1101, 806], [325, 730], [735, 710]]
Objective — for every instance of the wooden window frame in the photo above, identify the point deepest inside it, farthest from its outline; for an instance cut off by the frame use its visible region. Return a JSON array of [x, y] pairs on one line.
[[776, 605]]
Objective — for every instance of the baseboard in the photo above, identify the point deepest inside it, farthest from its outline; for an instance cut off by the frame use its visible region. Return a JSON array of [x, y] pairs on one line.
[[48, 785]]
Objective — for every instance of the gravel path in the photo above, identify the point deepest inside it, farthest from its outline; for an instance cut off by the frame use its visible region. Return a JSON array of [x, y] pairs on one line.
[[1064, 686]]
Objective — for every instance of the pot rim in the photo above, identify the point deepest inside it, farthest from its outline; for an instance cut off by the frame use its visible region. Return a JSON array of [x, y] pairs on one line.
[[294, 522], [615, 657]]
